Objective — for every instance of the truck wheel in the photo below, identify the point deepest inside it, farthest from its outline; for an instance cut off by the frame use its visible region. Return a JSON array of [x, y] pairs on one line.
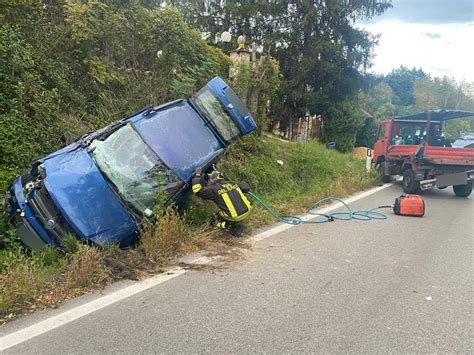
[[410, 186], [381, 171], [463, 190]]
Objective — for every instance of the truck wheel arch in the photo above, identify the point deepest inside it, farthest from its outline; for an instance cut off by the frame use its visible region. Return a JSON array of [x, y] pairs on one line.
[[406, 166], [382, 170], [380, 159]]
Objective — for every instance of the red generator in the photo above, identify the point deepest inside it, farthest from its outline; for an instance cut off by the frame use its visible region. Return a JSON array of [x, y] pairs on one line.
[[409, 205]]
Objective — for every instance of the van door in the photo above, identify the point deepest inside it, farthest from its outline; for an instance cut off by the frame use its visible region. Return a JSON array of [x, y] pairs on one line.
[[232, 104]]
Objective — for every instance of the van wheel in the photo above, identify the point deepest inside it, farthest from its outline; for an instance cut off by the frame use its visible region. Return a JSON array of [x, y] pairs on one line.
[[463, 190], [383, 178], [410, 186]]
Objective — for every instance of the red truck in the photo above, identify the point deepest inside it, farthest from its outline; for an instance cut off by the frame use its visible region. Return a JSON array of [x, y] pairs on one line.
[[414, 147]]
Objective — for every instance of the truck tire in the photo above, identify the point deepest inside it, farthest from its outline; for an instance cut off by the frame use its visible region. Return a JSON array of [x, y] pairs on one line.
[[381, 170], [463, 190], [410, 186]]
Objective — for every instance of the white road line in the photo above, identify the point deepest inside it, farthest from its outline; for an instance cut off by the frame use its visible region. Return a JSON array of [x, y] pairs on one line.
[[59, 320], [56, 321]]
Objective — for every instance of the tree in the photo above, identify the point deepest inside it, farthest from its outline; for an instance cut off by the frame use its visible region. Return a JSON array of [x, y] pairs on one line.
[[346, 119], [102, 60], [29, 120], [426, 93], [401, 81], [256, 84], [443, 93], [378, 102], [446, 93], [321, 53]]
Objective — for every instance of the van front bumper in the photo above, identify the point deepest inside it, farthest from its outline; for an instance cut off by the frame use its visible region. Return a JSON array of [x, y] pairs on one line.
[[22, 216]]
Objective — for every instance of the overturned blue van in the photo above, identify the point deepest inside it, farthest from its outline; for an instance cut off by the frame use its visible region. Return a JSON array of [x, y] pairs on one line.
[[100, 187]]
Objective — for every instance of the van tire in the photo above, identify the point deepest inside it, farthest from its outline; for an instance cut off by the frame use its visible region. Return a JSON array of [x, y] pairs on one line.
[[410, 186], [463, 190], [381, 169], [26, 177]]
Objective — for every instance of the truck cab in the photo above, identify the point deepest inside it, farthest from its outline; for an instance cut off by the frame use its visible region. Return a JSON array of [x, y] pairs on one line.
[[100, 187], [414, 146]]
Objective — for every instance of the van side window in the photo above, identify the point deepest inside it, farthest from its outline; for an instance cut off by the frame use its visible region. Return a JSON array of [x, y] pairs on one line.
[[381, 134]]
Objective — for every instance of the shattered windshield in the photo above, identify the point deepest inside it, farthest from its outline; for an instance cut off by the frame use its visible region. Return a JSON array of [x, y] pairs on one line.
[[214, 111], [133, 168]]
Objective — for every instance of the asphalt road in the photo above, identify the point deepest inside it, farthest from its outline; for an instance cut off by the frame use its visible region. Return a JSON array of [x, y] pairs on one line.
[[400, 285]]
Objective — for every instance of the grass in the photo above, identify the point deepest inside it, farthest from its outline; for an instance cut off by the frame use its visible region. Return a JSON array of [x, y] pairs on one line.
[[309, 172], [85, 269], [166, 237], [30, 281]]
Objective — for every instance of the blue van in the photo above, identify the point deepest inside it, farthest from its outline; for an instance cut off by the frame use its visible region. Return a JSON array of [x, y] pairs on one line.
[[100, 187]]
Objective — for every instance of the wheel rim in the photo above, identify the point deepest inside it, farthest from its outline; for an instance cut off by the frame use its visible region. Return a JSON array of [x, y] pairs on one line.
[[407, 182]]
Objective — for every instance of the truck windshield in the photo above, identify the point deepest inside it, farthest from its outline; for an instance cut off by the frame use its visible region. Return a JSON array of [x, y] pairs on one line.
[[133, 168], [214, 111], [408, 133]]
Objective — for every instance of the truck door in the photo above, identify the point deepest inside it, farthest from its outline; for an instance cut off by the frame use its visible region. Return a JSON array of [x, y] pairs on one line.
[[381, 141]]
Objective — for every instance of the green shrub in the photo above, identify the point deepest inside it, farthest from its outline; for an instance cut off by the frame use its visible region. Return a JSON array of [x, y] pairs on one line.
[[344, 120], [308, 169]]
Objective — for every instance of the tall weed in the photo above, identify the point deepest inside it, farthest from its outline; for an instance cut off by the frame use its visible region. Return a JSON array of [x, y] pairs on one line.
[[85, 269], [18, 285], [166, 237]]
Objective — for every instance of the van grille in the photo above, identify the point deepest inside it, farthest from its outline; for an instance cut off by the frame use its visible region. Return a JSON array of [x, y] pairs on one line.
[[46, 212]]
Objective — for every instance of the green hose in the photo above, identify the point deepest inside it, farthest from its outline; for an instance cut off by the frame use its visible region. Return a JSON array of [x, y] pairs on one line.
[[362, 215]]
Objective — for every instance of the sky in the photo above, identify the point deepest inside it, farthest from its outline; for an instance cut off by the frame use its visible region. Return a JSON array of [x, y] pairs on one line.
[[435, 35]]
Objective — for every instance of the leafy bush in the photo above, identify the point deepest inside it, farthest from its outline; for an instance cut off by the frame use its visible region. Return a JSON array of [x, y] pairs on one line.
[[257, 87], [346, 119], [29, 123]]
